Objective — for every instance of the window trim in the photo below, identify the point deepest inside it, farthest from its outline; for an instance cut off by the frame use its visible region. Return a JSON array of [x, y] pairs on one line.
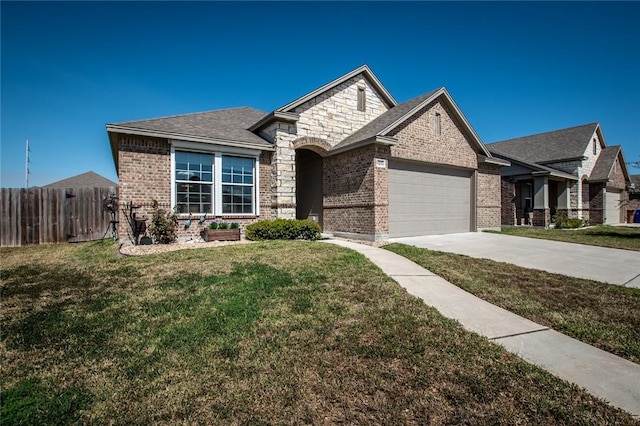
[[217, 151]]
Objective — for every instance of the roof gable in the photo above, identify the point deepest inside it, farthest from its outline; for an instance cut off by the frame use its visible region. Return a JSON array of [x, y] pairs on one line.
[[549, 147], [603, 168], [383, 125], [231, 125], [364, 70], [85, 180]]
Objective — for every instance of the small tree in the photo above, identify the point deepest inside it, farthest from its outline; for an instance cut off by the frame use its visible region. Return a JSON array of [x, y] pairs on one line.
[[164, 225]]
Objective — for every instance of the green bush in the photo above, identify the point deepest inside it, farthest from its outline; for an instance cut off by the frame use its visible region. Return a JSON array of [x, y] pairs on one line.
[[561, 221], [164, 225], [283, 229]]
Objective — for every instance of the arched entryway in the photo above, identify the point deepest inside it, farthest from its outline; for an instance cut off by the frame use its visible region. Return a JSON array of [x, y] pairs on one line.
[[309, 185]]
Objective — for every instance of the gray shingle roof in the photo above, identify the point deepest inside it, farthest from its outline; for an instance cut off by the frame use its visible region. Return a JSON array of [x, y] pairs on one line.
[[383, 121], [635, 179], [224, 124], [549, 146], [602, 169], [84, 180]]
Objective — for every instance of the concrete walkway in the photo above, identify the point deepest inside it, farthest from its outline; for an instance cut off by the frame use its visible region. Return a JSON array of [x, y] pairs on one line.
[[601, 373], [613, 266]]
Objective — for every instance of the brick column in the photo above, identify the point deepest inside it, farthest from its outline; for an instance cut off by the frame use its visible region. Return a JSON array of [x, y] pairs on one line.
[[541, 211]]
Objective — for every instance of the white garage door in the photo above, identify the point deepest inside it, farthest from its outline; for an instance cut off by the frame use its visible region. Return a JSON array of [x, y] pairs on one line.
[[426, 200], [613, 201]]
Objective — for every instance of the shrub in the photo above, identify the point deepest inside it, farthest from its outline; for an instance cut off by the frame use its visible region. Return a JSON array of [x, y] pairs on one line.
[[164, 225], [283, 229], [223, 225], [561, 221]]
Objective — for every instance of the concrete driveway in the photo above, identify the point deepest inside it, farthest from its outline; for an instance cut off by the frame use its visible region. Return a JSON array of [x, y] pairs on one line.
[[613, 266]]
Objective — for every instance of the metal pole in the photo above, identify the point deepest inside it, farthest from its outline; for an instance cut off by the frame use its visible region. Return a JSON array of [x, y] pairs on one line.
[[26, 165]]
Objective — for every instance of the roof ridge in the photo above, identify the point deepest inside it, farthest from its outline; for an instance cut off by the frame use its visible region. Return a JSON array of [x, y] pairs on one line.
[[186, 114], [545, 133]]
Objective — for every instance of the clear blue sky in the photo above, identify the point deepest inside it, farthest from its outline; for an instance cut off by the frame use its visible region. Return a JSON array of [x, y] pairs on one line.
[[513, 68]]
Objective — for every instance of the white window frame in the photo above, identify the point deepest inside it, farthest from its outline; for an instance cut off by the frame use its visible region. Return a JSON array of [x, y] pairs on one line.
[[218, 151]]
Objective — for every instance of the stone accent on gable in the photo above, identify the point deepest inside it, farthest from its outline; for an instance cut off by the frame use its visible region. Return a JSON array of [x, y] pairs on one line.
[[334, 115], [488, 205], [418, 139]]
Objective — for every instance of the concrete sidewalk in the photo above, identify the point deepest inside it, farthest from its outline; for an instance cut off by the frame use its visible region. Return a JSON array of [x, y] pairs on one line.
[[601, 373], [613, 266]]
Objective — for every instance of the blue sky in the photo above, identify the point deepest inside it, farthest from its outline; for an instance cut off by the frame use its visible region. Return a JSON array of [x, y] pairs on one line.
[[513, 68]]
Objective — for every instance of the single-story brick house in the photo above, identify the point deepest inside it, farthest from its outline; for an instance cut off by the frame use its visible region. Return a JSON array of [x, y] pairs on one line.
[[346, 154], [570, 171]]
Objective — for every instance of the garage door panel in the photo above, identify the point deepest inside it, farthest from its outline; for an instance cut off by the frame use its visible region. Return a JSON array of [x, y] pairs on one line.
[[428, 200], [613, 203]]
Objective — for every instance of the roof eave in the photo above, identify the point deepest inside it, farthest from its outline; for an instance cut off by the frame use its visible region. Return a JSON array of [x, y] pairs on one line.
[[111, 128], [378, 139], [287, 117], [493, 160], [362, 69]]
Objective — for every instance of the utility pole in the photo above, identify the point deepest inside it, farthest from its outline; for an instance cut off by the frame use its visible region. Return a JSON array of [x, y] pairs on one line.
[[26, 165]]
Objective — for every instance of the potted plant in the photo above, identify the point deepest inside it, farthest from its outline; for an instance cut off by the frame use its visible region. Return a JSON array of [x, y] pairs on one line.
[[222, 232]]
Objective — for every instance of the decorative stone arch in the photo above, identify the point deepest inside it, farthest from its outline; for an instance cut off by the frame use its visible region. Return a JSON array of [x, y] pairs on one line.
[[317, 145]]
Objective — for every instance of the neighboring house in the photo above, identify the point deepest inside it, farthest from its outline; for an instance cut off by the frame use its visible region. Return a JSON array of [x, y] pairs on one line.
[[346, 154], [570, 171], [84, 180], [634, 193]]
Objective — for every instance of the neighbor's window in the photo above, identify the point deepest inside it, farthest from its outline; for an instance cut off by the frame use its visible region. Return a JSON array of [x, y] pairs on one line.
[[362, 99], [438, 124], [194, 182], [237, 185]]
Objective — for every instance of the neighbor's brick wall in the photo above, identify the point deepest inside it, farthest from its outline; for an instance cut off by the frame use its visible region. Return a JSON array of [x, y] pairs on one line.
[[617, 179], [596, 203], [349, 182], [488, 197], [417, 139], [334, 115], [508, 202]]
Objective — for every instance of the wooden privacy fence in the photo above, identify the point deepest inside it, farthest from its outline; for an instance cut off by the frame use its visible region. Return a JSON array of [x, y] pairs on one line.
[[53, 215]]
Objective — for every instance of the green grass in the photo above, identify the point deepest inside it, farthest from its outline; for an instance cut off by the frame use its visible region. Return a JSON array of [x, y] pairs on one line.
[[264, 333], [606, 316], [620, 237]]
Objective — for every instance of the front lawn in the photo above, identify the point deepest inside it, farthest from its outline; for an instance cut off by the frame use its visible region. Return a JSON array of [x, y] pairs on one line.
[[264, 333], [603, 315], [620, 237]]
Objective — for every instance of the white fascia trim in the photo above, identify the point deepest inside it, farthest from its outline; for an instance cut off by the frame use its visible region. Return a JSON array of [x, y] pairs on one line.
[[178, 136], [209, 147]]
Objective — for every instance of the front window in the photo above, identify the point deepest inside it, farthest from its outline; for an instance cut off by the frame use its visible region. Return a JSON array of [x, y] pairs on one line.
[[194, 182], [212, 183], [237, 185]]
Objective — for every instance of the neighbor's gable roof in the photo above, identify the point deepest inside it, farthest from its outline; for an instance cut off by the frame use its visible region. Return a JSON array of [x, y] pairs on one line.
[[383, 125], [549, 147], [85, 180], [537, 169], [225, 126], [364, 69], [604, 165]]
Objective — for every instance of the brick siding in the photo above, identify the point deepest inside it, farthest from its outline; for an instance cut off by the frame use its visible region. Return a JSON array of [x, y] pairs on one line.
[[488, 204]]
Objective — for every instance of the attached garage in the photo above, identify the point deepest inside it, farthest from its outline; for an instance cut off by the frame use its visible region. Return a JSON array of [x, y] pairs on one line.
[[613, 204], [427, 200]]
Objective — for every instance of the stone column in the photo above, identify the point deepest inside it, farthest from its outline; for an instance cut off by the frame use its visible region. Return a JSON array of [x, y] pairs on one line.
[[541, 212], [284, 172]]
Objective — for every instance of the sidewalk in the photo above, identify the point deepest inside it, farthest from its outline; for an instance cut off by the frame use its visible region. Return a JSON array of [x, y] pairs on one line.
[[601, 373]]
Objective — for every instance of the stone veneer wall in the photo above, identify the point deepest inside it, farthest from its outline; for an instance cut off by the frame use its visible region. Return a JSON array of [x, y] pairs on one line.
[[144, 173], [417, 139], [334, 115], [488, 196], [350, 179]]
